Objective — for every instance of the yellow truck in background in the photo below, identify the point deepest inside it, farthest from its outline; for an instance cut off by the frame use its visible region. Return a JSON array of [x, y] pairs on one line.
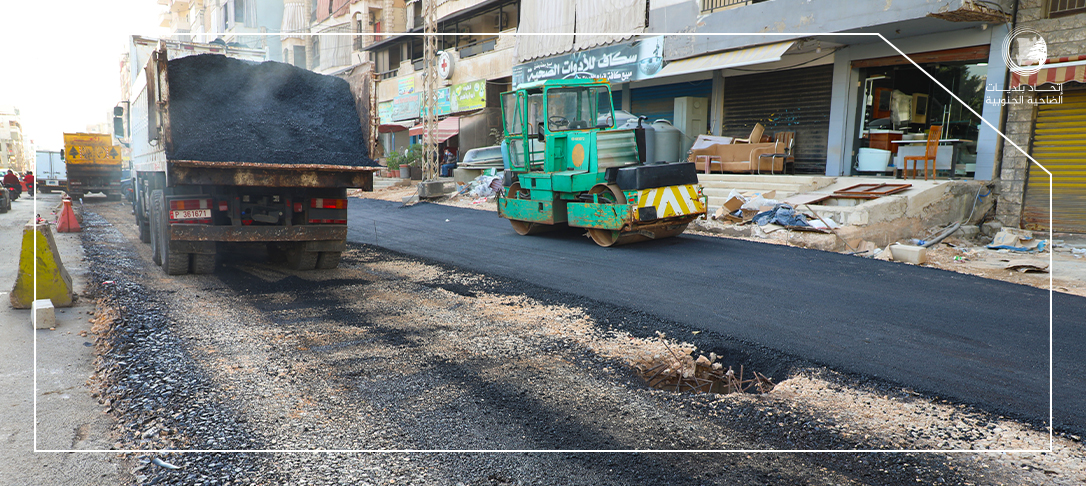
[[93, 164]]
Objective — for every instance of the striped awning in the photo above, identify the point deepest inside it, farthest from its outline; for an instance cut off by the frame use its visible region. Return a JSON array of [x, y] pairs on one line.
[[446, 129], [727, 59], [1055, 71]]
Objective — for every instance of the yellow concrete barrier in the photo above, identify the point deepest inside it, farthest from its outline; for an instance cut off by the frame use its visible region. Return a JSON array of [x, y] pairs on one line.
[[53, 282]]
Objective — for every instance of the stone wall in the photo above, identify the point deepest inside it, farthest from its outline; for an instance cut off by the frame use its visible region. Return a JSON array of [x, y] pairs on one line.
[[1065, 36]]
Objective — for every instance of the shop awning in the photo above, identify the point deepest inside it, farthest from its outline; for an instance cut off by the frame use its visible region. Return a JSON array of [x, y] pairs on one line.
[[446, 129], [727, 59], [392, 127], [1055, 71]]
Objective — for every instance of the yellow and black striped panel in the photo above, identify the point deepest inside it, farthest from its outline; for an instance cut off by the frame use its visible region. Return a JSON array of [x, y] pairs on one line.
[[1059, 144], [672, 200]]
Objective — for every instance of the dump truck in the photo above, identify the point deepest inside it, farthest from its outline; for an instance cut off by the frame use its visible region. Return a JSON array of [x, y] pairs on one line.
[[228, 151], [570, 165], [49, 172], [93, 164]]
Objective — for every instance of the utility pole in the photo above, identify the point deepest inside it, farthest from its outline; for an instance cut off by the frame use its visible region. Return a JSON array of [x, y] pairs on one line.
[[429, 92]]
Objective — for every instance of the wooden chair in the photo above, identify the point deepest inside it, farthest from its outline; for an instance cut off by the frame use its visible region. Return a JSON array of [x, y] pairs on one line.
[[755, 135], [788, 140], [930, 151]]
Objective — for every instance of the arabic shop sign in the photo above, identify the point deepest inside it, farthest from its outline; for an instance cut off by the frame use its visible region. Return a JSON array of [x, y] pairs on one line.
[[631, 61], [384, 112], [444, 107], [469, 96], [460, 98], [405, 86], [406, 107]]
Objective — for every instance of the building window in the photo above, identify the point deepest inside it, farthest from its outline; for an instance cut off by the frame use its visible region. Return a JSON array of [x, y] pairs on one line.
[[1059, 8], [239, 11]]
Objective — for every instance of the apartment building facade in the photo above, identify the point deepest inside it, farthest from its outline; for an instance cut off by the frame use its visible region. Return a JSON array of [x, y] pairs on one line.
[[16, 152]]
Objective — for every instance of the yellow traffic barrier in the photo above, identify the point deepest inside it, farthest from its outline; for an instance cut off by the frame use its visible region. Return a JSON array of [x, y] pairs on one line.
[[53, 282]]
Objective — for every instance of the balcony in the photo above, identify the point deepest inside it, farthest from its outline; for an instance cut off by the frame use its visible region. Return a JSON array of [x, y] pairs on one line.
[[477, 47]]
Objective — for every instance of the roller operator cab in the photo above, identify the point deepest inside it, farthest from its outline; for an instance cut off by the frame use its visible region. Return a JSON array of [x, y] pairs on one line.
[[571, 165]]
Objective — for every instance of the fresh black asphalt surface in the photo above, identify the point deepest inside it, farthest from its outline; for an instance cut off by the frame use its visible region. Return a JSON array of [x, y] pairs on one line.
[[955, 336]]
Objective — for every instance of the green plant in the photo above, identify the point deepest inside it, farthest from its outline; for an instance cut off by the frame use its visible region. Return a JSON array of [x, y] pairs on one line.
[[498, 134], [393, 161], [414, 154]]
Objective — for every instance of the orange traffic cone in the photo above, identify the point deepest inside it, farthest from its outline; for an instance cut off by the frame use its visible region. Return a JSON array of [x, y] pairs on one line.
[[67, 223]]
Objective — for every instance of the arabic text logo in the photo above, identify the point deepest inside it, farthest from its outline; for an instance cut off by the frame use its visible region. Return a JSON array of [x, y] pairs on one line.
[[1025, 51]]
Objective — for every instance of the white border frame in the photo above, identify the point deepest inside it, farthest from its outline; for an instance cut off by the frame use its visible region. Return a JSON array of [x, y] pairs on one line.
[[1051, 435]]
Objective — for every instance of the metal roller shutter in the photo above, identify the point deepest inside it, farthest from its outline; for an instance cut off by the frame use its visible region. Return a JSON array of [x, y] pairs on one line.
[[1059, 144], [796, 100], [658, 102]]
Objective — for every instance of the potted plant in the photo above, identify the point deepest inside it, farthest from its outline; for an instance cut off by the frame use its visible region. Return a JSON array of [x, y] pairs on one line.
[[413, 160], [398, 161]]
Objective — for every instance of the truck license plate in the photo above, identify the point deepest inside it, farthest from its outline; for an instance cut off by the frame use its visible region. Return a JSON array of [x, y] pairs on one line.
[[52, 183], [191, 214]]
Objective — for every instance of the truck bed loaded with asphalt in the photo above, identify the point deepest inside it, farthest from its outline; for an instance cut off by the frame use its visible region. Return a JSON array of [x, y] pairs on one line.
[[235, 151]]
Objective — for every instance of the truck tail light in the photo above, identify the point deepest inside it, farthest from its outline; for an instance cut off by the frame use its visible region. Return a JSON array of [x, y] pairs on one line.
[[190, 211], [325, 203], [327, 211], [297, 207]]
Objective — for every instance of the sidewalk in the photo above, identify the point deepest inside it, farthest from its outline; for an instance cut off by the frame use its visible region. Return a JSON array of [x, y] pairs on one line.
[[68, 417]]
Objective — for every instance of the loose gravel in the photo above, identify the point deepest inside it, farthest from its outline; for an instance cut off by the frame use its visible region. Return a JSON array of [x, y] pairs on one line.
[[389, 353]]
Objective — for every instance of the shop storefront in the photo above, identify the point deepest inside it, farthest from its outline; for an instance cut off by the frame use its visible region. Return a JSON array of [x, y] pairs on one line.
[[900, 104], [1057, 96], [795, 101]]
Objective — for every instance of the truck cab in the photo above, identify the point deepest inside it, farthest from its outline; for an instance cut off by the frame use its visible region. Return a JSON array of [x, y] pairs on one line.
[[573, 166]]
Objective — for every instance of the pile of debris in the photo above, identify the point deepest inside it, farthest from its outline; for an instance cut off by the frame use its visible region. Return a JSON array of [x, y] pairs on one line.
[[679, 371], [762, 209]]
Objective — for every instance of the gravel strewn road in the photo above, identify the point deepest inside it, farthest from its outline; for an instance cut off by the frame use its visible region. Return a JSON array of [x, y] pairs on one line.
[[390, 352]]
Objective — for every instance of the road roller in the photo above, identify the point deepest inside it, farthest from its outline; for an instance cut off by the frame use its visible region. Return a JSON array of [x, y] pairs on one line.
[[570, 164]]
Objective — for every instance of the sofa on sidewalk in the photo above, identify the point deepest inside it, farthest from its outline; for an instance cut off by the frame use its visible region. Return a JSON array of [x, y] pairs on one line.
[[717, 154]]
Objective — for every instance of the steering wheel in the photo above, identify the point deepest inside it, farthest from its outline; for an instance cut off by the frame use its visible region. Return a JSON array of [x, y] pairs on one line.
[[558, 121]]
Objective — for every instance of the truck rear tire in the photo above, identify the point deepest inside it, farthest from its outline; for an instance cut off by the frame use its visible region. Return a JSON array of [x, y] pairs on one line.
[[203, 264], [328, 260], [154, 227], [299, 259], [173, 263]]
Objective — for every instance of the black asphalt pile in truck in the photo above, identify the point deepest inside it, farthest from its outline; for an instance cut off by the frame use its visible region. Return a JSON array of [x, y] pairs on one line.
[[230, 110]]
